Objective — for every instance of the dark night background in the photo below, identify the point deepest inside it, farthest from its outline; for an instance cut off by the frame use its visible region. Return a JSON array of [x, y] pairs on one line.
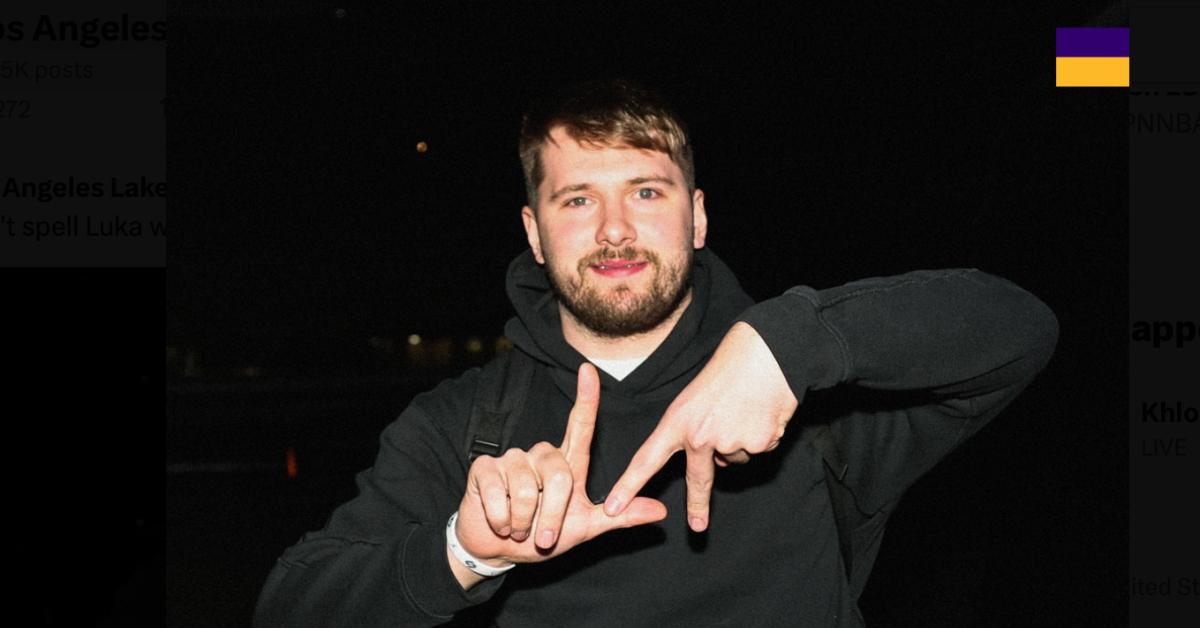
[[310, 239]]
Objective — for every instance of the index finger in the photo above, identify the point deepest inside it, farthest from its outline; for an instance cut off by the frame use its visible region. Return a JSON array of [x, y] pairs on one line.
[[699, 478], [581, 423], [649, 460]]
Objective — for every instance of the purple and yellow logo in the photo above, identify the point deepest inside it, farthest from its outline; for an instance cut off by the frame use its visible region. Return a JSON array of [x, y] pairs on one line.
[[1091, 57]]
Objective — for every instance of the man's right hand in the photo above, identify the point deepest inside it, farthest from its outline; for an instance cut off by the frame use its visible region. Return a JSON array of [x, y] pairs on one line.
[[529, 506]]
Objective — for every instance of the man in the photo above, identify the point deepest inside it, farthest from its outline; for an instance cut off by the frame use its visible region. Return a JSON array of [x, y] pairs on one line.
[[588, 519]]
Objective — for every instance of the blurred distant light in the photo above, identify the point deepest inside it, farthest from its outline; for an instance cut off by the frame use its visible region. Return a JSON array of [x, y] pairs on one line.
[[503, 344], [474, 345], [251, 371], [414, 340], [293, 467], [422, 147]]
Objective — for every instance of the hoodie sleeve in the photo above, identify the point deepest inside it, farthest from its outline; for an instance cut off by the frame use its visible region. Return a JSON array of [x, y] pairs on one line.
[[939, 352], [381, 559]]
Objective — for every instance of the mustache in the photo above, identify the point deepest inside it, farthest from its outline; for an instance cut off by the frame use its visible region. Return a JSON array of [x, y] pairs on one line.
[[625, 253]]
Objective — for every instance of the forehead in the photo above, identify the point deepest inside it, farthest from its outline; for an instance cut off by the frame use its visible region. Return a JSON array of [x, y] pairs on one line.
[[567, 162]]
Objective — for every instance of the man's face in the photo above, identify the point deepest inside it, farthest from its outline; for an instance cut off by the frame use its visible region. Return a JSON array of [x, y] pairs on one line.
[[616, 228]]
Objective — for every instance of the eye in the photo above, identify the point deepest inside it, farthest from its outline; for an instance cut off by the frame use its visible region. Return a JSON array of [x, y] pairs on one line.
[[648, 193], [578, 201]]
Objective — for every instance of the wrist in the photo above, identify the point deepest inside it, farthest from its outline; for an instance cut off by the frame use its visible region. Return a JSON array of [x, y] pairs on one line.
[[805, 347], [488, 568]]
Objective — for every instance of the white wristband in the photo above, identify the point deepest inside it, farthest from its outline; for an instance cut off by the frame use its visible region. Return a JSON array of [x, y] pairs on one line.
[[472, 563]]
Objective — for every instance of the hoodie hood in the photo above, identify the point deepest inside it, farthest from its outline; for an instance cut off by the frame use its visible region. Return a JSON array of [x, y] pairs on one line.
[[717, 300]]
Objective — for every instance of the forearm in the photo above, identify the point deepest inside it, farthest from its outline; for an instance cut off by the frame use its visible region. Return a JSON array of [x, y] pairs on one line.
[[941, 354], [326, 580], [334, 582], [956, 334], [381, 559]]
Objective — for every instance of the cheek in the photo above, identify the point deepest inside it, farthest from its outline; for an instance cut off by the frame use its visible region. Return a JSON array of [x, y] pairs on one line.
[[678, 235], [566, 240], [559, 251]]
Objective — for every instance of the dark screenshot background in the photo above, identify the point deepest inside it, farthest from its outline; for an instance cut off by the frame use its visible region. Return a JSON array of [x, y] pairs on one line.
[[310, 239]]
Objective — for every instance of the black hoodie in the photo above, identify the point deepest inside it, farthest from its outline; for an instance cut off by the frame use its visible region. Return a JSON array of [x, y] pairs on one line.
[[903, 368]]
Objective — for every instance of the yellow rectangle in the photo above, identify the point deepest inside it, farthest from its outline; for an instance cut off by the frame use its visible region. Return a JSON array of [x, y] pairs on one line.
[[1091, 71]]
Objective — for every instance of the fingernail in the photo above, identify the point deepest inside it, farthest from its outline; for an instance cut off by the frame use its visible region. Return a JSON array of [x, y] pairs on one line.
[[697, 524], [546, 539], [506, 530], [613, 506], [520, 535]]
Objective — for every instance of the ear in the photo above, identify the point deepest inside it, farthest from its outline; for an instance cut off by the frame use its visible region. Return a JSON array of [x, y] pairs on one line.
[[531, 233], [699, 219]]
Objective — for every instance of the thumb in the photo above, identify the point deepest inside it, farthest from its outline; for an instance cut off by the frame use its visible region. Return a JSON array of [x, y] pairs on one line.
[[641, 510]]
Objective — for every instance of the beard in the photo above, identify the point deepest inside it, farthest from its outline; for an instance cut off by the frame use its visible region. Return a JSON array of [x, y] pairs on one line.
[[619, 311]]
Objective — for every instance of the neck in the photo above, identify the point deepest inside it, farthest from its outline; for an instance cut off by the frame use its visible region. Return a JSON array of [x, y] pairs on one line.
[[590, 344]]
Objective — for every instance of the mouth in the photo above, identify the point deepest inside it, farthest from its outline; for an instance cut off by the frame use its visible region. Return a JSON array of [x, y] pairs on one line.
[[618, 267]]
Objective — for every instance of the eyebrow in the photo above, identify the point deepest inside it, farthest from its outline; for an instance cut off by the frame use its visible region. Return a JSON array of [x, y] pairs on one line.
[[587, 186]]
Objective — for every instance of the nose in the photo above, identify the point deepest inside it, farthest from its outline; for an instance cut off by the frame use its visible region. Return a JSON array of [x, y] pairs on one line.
[[615, 227]]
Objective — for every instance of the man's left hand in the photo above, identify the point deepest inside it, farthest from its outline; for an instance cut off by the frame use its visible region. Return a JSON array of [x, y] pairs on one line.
[[738, 405]]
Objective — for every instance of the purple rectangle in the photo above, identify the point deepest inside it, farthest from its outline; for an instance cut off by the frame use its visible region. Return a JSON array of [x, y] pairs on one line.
[[1091, 42]]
